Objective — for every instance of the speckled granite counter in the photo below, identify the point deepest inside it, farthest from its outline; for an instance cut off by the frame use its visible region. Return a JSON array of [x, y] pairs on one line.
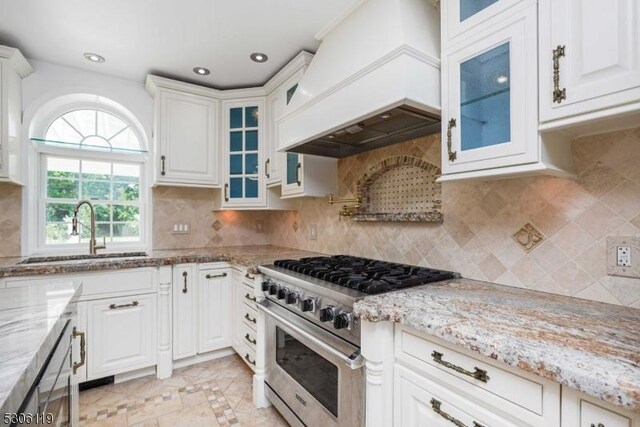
[[31, 320], [590, 346], [248, 256]]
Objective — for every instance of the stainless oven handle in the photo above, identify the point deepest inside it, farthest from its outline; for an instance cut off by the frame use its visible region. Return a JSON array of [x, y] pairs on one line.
[[353, 361]]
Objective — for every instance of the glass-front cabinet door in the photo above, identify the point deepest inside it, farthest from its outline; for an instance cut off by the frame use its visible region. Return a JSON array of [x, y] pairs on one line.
[[463, 15], [244, 151], [490, 109], [292, 182]]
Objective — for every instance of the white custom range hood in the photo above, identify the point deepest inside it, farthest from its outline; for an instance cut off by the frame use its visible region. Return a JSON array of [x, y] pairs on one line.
[[374, 81]]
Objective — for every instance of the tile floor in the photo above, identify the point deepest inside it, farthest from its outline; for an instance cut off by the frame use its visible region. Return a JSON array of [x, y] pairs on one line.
[[214, 393]]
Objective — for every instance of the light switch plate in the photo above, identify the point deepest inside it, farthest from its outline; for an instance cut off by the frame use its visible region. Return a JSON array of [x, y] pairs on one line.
[[259, 226], [181, 228], [623, 256], [313, 232]]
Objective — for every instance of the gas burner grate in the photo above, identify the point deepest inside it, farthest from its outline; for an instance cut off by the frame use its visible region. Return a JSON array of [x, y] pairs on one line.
[[366, 275]]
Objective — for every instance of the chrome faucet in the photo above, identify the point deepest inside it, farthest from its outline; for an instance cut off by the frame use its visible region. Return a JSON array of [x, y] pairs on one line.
[[93, 247]]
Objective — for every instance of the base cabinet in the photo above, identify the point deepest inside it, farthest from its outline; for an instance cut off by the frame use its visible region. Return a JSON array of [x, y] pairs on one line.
[[214, 310], [581, 410], [185, 315], [122, 334]]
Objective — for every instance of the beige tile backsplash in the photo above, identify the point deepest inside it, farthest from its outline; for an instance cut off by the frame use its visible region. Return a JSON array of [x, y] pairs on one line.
[[10, 218], [476, 238], [481, 218]]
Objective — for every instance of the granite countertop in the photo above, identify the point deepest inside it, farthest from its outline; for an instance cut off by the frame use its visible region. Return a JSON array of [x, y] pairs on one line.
[[247, 256], [586, 345], [31, 320]]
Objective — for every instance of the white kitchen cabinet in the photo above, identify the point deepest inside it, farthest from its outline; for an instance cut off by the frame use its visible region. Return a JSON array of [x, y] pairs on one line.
[[589, 59], [490, 104], [185, 314], [214, 308], [310, 176], [581, 410], [13, 68], [244, 154], [185, 135], [462, 17], [122, 335]]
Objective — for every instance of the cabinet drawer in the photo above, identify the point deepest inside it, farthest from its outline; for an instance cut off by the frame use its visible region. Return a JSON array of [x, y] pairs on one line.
[[249, 356], [581, 410], [249, 315], [248, 296], [436, 359], [420, 402], [249, 279], [132, 281], [249, 336]]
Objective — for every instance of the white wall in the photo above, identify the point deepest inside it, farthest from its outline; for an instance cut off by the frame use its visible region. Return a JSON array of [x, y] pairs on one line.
[[50, 81]]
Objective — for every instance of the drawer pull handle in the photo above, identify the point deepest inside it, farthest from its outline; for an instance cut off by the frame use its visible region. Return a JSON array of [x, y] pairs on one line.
[[558, 94], [254, 320], [249, 276], [163, 159], [250, 298], [478, 374], [599, 425], [215, 276], [298, 167], [226, 192], [131, 304], [248, 338], [83, 353], [266, 168], [184, 276], [435, 405], [453, 155], [248, 359]]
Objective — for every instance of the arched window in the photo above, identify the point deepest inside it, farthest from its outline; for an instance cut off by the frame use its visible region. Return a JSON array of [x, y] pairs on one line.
[[85, 153]]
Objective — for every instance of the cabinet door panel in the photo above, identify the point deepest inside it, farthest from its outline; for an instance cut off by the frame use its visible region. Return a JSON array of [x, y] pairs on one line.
[[214, 310], [601, 59], [121, 335], [185, 320], [463, 17], [187, 138], [491, 99]]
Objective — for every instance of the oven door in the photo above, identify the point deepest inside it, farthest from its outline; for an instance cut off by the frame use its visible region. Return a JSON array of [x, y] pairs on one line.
[[317, 375]]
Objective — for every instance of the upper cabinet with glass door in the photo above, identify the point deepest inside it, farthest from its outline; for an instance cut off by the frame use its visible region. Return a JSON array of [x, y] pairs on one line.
[[490, 119], [13, 68], [589, 61], [244, 184], [462, 17]]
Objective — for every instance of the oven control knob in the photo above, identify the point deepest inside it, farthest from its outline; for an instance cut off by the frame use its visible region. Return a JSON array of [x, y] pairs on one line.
[[291, 298], [327, 313], [265, 285], [273, 289], [343, 321], [310, 304], [282, 293]]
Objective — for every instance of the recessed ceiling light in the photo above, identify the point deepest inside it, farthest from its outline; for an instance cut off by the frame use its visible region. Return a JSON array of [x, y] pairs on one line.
[[94, 57], [331, 136], [502, 79], [259, 57], [201, 71], [385, 116]]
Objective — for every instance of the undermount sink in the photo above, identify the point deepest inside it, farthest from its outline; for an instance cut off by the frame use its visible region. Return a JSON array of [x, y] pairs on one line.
[[62, 258]]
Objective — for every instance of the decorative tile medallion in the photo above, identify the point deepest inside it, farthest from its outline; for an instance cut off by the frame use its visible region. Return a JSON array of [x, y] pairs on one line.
[[295, 225], [528, 237], [217, 225]]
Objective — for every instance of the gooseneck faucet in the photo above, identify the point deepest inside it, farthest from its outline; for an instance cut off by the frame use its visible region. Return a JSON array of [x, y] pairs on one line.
[[93, 247]]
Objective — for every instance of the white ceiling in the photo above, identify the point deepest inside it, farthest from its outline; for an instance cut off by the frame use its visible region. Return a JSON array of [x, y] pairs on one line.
[[169, 37]]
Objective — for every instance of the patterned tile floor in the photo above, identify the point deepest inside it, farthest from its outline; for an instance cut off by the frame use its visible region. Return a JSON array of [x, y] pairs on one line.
[[215, 393]]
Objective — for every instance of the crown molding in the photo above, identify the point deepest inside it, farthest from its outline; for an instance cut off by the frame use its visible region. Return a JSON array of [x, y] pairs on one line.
[[17, 61]]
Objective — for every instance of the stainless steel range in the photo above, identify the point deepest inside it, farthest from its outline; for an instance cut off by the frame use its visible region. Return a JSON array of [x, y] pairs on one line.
[[314, 370]]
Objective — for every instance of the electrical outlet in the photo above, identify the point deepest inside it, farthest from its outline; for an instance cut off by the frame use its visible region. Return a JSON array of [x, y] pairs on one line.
[[622, 256], [259, 226], [313, 232], [181, 228]]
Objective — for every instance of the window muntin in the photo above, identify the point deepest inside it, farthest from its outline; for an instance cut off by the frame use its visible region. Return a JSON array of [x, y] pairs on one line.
[[113, 188], [92, 129]]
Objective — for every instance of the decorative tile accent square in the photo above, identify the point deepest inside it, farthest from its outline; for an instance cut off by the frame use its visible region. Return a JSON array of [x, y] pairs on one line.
[[217, 225], [528, 237], [295, 225]]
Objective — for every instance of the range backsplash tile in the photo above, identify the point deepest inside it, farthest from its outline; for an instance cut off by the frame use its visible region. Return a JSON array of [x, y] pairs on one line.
[[574, 217], [10, 219]]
